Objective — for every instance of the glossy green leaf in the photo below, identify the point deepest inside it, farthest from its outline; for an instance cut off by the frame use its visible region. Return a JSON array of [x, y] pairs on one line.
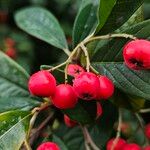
[[104, 11], [69, 138], [120, 13], [13, 129], [41, 24], [111, 50], [100, 130], [86, 20], [13, 103], [13, 78], [136, 83], [84, 112]]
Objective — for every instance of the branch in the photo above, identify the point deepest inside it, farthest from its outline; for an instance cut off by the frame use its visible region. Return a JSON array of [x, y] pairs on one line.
[[88, 138], [118, 130], [145, 110]]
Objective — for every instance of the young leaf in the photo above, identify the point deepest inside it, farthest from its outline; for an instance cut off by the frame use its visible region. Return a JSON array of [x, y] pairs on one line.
[[86, 20], [41, 24], [121, 12], [13, 128], [136, 83]]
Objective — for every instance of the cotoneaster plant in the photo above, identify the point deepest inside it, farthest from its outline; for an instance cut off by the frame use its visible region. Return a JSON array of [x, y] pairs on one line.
[[104, 80]]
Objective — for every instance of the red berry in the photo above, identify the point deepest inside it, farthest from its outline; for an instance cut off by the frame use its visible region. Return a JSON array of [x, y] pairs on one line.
[[69, 122], [147, 130], [64, 97], [99, 110], [11, 52], [137, 54], [118, 145], [42, 84], [106, 88], [131, 146], [74, 70], [48, 146], [147, 148], [86, 86]]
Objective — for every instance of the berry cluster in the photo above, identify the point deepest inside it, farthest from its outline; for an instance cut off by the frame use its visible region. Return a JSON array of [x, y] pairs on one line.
[[121, 144], [86, 86]]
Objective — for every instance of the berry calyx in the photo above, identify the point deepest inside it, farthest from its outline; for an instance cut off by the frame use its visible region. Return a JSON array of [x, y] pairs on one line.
[[147, 130], [86, 86], [42, 83], [106, 89], [9, 42], [118, 145], [64, 97], [69, 122], [137, 54], [99, 110], [131, 146], [74, 70], [48, 146], [146, 148]]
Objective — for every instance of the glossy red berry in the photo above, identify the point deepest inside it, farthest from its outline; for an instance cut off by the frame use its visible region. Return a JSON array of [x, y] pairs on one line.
[[11, 52], [42, 83], [64, 97], [86, 86], [131, 146], [147, 130], [74, 70], [69, 122], [106, 89], [99, 110], [137, 54], [146, 148], [118, 145], [48, 146]]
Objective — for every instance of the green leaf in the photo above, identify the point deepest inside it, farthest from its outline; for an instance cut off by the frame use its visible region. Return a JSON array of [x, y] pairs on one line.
[[69, 138], [21, 103], [41, 24], [136, 83], [104, 11], [86, 20], [111, 50], [13, 78], [120, 13], [100, 131], [84, 112], [13, 129]]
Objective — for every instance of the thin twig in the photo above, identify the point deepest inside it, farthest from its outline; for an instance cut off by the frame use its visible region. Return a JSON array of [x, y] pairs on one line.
[[108, 36], [36, 132], [118, 130], [86, 56], [145, 110], [141, 123], [88, 138], [28, 147]]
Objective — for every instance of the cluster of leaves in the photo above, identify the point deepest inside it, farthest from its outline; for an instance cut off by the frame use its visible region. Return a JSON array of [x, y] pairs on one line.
[[94, 17]]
